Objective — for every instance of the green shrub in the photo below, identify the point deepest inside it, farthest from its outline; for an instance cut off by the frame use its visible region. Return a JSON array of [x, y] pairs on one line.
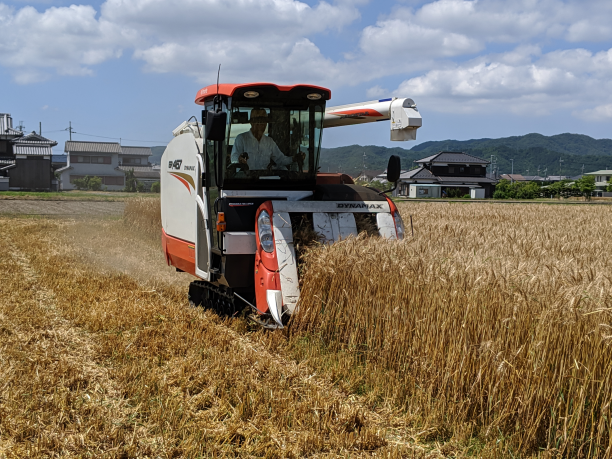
[[95, 184], [155, 188], [88, 183]]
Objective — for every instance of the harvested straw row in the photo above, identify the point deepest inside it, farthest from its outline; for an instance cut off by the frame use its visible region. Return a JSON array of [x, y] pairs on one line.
[[493, 317], [175, 381]]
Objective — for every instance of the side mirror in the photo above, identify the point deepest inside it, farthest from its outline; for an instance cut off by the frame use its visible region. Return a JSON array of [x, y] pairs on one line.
[[394, 169], [215, 125]]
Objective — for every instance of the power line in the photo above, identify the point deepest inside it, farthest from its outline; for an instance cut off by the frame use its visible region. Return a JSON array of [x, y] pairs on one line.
[[119, 138]]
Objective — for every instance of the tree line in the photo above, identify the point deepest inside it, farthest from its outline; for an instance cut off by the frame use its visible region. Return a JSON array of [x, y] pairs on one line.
[[585, 186]]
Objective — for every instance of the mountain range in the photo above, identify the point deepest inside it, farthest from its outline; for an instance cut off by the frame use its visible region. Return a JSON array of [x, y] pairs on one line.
[[531, 154]]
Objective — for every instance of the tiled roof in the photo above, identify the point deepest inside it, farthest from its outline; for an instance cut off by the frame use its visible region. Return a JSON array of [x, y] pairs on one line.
[[34, 139], [449, 157], [73, 146], [33, 150], [514, 177], [11, 131], [420, 173], [136, 151], [136, 168], [142, 172]]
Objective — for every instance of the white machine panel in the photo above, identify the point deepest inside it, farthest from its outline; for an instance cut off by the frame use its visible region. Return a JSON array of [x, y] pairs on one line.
[[386, 226], [285, 253], [332, 206], [334, 226], [322, 224], [178, 184]]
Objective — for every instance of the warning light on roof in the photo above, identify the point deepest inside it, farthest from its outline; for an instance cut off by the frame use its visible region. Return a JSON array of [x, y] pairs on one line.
[[314, 96], [251, 94]]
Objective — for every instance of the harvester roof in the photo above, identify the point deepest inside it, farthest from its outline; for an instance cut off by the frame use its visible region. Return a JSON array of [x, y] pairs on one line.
[[265, 89]]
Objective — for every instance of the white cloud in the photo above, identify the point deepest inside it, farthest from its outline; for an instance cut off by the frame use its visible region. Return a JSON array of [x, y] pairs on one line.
[[69, 40], [552, 82], [189, 37], [598, 113], [396, 39], [376, 92], [453, 54], [252, 39]]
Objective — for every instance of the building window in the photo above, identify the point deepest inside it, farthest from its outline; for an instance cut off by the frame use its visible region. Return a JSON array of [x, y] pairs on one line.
[[116, 180], [134, 161], [462, 169], [92, 159], [451, 170]]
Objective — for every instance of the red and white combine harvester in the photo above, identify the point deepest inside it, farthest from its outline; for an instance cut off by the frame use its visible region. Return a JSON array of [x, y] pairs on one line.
[[235, 188]]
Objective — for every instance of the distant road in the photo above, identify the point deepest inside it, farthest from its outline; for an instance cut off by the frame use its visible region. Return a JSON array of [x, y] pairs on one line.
[[61, 208]]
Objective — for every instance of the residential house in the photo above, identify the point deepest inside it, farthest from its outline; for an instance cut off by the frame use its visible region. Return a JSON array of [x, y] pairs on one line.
[[602, 178], [33, 170], [369, 175], [7, 134], [7, 159], [107, 160], [445, 171], [99, 159], [137, 160], [513, 177]]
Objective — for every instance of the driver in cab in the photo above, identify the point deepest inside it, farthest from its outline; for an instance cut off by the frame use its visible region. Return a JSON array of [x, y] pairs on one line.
[[257, 150]]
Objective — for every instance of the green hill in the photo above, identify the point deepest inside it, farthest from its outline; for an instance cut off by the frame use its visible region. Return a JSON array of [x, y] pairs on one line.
[[529, 153], [572, 144]]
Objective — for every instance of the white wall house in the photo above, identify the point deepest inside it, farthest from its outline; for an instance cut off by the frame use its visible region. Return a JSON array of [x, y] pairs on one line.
[[601, 179], [100, 159]]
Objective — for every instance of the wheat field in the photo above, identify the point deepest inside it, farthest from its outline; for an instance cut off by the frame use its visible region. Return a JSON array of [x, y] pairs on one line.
[[485, 334]]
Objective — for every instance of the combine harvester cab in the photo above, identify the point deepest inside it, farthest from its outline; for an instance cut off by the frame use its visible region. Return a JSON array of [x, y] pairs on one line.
[[235, 187]]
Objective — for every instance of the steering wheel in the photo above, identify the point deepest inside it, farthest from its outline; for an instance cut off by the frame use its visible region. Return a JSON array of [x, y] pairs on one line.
[[233, 168]]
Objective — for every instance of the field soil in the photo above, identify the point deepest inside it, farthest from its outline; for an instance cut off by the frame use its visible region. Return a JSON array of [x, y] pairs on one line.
[[487, 333], [60, 208]]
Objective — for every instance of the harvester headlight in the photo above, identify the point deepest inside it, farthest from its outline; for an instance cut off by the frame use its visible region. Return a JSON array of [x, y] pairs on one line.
[[264, 226], [251, 94], [314, 96], [399, 225]]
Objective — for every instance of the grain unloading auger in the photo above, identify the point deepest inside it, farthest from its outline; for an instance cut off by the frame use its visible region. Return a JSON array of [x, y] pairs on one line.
[[235, 188]]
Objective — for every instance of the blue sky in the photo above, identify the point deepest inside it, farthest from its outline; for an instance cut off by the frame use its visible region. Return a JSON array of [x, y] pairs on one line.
[[487, 68]]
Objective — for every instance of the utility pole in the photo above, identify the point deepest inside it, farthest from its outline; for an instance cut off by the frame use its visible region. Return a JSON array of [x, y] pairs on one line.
[[364, 157], [512, 165], [560, 161], [583, 169], [40, 128], [70, 129], [21, 127]]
